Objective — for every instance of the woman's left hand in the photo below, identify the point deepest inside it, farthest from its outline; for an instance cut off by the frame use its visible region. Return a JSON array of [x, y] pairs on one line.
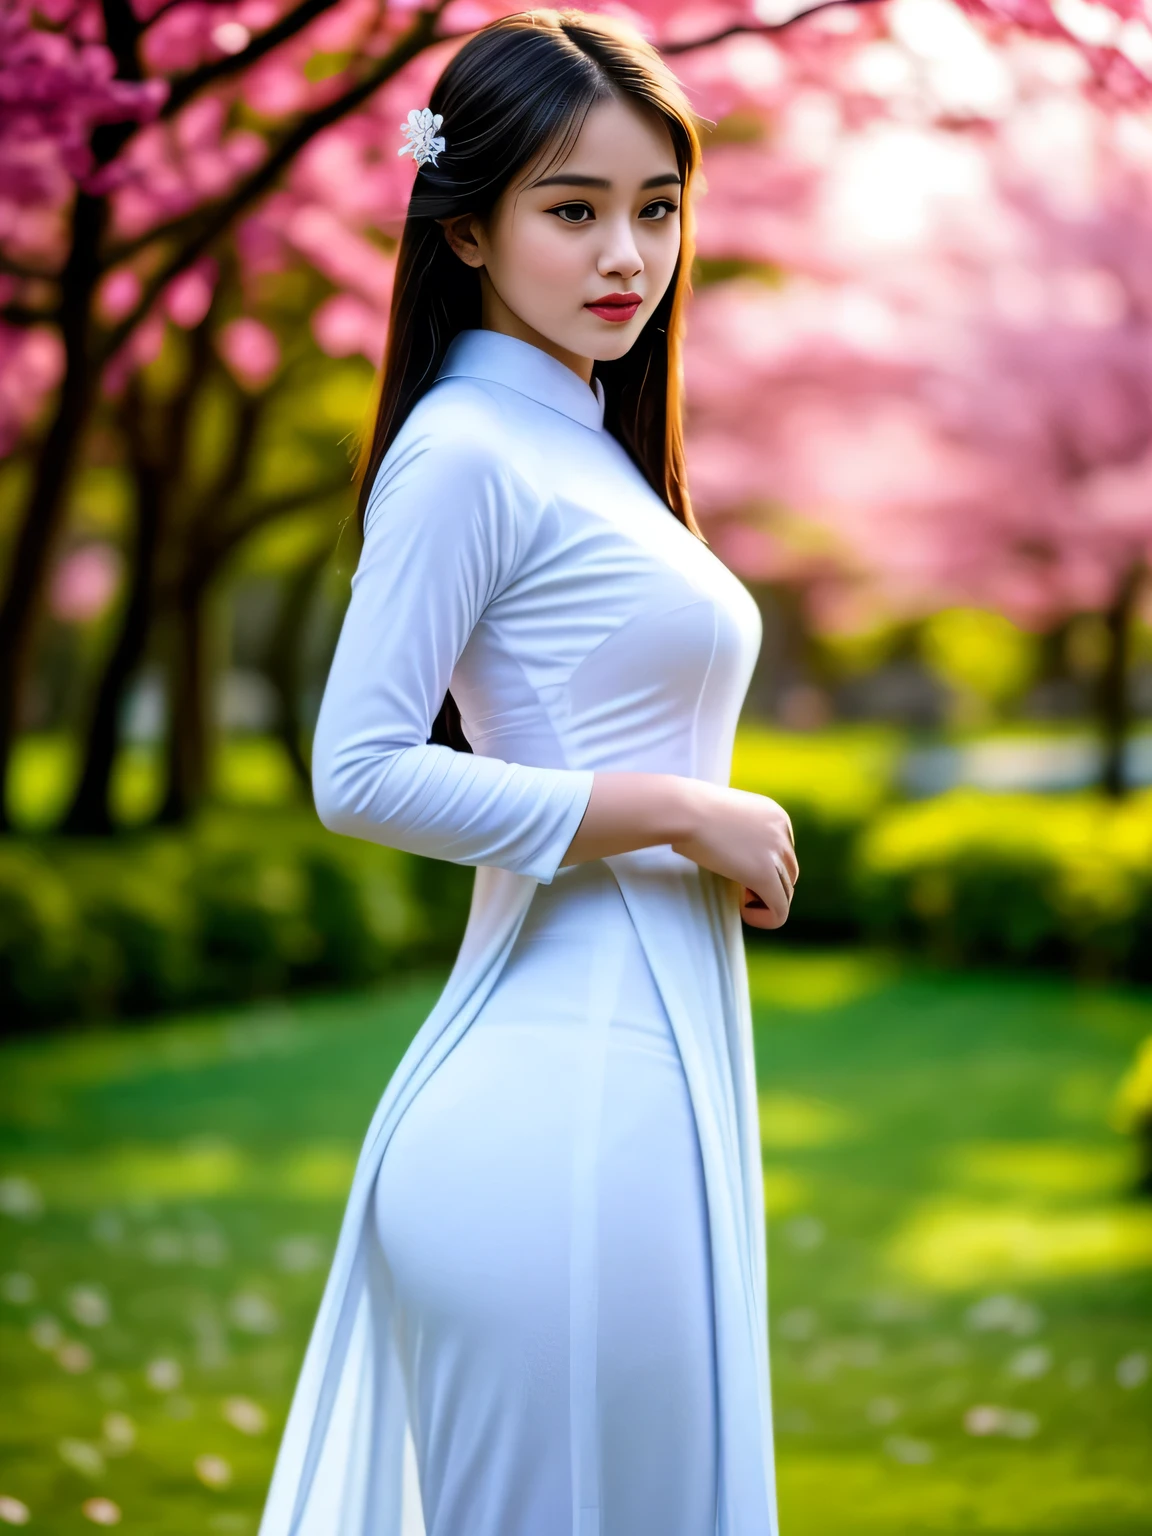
[[751, 906]]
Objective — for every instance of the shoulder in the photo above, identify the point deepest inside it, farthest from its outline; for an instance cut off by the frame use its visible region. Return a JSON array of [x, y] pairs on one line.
[[461, 423], [456, 443]]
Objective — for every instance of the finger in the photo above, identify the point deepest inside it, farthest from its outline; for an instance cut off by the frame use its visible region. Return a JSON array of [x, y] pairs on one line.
[[756, 912], [772, 894], [787, 860], [760, 917], [779, 903], [785, 878]]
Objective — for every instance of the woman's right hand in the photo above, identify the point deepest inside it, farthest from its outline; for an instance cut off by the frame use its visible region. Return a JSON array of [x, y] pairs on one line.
[[747, 838]]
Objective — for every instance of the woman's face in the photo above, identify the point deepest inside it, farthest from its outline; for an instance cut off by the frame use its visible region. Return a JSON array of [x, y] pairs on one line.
[[576, 257]]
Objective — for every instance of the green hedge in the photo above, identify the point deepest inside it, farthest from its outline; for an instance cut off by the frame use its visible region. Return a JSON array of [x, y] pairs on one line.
[[1132, 1111], [1019, 878], [1062, 880], [240, 906], [259, 902]]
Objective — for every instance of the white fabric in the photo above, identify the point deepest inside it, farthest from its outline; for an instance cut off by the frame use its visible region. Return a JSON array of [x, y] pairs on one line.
[[515, 553], [543, 1220]]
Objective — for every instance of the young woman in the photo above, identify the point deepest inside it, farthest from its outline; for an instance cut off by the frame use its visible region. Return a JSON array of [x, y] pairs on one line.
[[551, 1271]]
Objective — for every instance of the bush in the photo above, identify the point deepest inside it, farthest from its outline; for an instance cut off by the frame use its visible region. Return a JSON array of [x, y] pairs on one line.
[[1019, 878], [39, 931], [135, 925], [251, 903], [236, 907], [1132, 1111]]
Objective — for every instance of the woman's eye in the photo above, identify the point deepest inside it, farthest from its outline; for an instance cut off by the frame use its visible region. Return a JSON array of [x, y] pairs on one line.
[[658, 210], [575, 209]]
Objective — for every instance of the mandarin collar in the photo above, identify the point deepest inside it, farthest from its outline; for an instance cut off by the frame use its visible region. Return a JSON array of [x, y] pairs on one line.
[[483, 354]]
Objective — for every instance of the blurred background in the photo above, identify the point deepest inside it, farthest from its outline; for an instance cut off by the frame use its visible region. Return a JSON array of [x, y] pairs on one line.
[[919, 383]]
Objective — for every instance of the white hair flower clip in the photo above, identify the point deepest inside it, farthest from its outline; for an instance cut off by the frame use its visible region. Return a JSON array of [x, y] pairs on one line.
[[420, 131]]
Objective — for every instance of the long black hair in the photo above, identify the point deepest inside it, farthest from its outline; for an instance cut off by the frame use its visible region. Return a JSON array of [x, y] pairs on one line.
[[519, 87]]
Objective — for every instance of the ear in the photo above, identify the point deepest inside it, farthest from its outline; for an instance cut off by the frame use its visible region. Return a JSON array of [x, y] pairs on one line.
[[460, 233]]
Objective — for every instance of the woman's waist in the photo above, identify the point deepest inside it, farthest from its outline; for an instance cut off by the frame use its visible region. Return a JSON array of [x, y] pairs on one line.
[[577, 957]]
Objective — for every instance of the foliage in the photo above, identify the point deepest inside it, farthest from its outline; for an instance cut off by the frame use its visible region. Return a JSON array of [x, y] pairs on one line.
[[235, 907], [982, 655], [958, 1281], [1132, 1109], [258, 899], [1018, 878]]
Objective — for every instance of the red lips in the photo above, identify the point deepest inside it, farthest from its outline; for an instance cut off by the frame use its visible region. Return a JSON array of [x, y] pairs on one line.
[[616, 306]]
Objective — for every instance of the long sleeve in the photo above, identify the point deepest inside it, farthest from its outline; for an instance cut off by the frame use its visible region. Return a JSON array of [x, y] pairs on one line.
[[445, 528]]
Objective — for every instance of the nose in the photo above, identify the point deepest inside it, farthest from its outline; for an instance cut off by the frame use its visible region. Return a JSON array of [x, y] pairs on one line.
[[619, 256]]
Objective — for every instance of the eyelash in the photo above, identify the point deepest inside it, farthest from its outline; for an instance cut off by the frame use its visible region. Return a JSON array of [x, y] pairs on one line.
[[659, 202]]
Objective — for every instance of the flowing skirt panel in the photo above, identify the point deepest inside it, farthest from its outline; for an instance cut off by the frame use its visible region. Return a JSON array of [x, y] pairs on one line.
[[541, 1214]]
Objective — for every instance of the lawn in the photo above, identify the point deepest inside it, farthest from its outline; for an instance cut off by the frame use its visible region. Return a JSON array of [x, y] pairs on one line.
[[960, 1281]]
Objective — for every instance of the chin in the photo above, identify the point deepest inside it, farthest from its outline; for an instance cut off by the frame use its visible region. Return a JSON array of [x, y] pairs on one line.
[[608, 349]]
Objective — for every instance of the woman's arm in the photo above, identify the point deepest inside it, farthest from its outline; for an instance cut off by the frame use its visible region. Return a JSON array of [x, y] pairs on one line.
[[745, 837], [445, 531]]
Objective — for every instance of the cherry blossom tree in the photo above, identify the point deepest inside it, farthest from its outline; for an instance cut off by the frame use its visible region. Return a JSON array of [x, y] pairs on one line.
[[110, 195], [953, 401], [145, 148]]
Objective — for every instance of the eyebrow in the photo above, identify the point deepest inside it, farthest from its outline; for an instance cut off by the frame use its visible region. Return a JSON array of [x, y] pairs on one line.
[[669, 179]]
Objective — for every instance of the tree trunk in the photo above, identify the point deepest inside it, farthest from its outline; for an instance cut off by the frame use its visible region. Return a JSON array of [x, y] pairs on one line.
[[90, 814], [282, 666], [188, 736], [44, 515], [157, 436], [1114, 703]]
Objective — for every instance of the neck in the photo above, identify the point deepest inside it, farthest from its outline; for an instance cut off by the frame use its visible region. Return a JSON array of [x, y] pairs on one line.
[[496, 316]]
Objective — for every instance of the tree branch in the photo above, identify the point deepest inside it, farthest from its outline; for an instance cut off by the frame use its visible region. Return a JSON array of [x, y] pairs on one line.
[[186, 86], [212, 552], [170, 5], [121, 36], [754, 28], [29, 274], [204, 228], [268, 511], [22, 315]]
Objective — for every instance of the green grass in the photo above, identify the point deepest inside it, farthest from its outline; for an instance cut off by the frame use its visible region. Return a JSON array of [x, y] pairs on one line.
[[950, 1229]]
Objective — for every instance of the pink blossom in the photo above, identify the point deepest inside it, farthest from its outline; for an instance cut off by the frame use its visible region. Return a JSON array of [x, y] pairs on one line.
[[345, 258], [343, 26], [250, 350], [969, 420], [31, 365], [142, 347], [802, 116], [188, 297], [85, 582], [54, 89], [344, 325], [275, 87], [169, 169], [257, 15], [182, 38], [119, 294]]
